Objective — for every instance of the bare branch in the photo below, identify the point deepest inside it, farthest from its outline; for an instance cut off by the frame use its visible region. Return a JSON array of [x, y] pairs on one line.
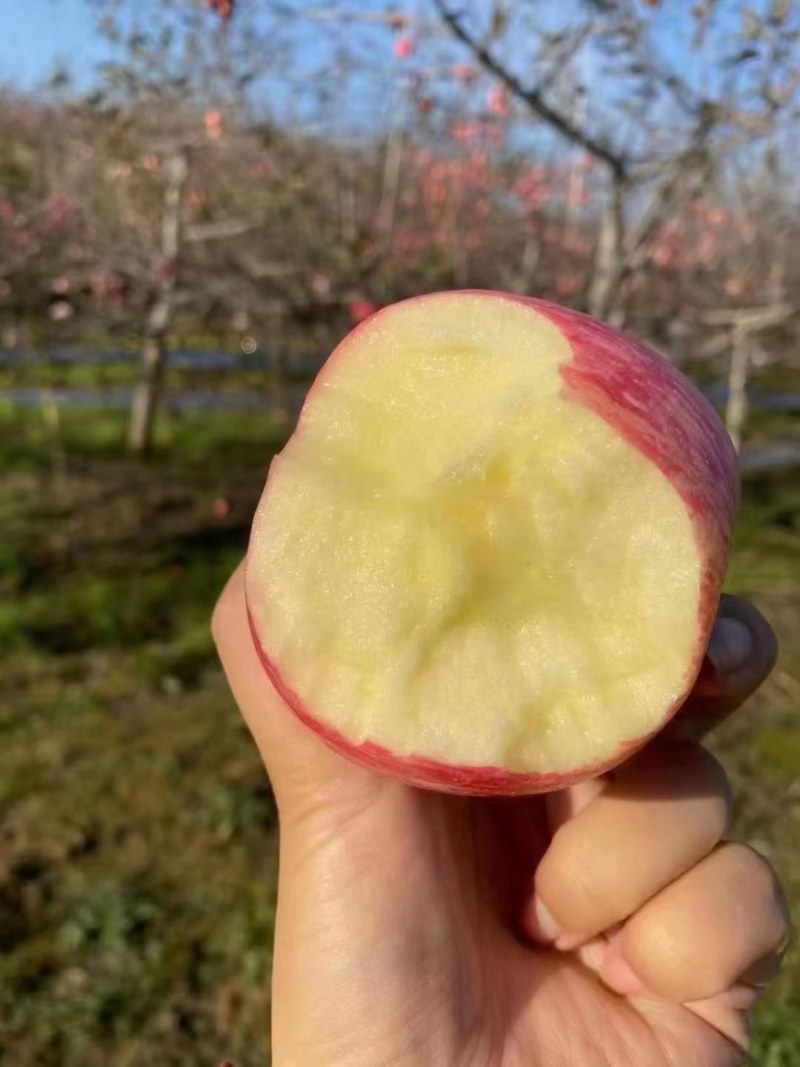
[[736, 409], [673, 176], [258, 270], [609, 263], [394, 20], [219, 231], [750, 319], [532, 96]]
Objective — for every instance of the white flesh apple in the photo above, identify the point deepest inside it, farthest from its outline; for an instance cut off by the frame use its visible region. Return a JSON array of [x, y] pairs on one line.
[[489, 558]]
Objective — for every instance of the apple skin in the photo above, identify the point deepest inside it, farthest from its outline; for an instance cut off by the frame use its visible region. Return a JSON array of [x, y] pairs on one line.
[[654, 407], [658, 410]]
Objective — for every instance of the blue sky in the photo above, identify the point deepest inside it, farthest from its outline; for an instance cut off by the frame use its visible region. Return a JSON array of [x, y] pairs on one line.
[[36, 34]]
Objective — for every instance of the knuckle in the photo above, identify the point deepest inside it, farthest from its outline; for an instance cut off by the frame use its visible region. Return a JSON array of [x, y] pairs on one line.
[[760, 882], [754, 871], [666, 962], [574, 885]]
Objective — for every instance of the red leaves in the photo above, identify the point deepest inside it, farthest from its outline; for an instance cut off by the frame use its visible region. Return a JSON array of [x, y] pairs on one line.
[[109, 286], [497, 100], [60, 209], [61, 285], [214, 123], [465, 73], [533, 189], [223, 8]]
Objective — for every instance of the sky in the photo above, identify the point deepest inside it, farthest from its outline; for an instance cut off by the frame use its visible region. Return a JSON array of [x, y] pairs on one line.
[[41, 37], [36, 34]]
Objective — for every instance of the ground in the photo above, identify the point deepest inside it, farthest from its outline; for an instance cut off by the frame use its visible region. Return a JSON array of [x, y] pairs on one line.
[[137, 831]]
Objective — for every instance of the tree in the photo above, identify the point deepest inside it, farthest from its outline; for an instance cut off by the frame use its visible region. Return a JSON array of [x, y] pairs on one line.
[[180, 83], [679, 129], [541, 149]]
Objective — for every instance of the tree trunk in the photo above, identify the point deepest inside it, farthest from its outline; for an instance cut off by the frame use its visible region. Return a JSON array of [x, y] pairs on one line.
[[147, 396], [390, 188], [609, 262], [521, 280], [736, 411]]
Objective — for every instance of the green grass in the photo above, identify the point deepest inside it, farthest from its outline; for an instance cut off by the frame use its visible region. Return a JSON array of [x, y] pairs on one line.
[[137, 831], [137, 834]]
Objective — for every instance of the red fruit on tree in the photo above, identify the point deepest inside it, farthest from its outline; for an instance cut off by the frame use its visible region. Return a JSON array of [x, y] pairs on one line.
[[361, 309], [223, 8], [403, 47]]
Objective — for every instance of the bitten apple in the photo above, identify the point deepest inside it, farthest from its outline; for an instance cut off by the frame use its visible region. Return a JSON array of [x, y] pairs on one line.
[[489, 558]]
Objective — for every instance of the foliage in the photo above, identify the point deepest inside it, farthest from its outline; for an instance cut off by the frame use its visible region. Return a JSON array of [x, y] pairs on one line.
[[294, 215]]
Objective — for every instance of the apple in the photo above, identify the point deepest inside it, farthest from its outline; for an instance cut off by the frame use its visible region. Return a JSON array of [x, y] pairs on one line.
[[489, 558]]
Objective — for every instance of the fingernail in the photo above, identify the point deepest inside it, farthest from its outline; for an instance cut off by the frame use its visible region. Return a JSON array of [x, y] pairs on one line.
[[592, 953], [730, 646], [541, 924]]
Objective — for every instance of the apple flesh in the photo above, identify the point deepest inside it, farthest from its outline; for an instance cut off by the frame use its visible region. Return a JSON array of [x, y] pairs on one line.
[[489, 558]]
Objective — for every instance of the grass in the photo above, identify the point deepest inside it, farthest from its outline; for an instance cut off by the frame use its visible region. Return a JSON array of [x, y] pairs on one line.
[[137, 834]]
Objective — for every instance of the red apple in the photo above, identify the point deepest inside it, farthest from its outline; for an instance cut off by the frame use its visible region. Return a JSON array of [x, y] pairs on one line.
[[489, 558]]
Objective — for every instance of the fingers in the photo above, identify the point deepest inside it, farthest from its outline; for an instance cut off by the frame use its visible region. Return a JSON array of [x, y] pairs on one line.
[[741, 653], [299, 764], [635, 876], [684, 917], [691, 918], [742, 650], [661, 813], [723, 922]]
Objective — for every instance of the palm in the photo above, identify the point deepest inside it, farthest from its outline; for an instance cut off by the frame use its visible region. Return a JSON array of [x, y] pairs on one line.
[[411, 924]]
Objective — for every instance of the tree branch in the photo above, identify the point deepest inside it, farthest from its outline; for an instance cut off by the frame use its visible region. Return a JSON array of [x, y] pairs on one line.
[[220, 231], [750, 319], [609, 262], [532, 96]]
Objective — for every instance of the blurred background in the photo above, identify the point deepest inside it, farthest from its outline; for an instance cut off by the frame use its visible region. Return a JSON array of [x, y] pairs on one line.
[[198, 198]]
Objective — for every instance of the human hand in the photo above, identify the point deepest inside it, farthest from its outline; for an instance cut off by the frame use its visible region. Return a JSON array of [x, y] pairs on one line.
[[606, 925]]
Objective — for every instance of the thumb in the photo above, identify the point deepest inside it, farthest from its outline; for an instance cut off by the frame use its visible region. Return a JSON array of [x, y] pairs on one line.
[[741, 653], [304, 772]]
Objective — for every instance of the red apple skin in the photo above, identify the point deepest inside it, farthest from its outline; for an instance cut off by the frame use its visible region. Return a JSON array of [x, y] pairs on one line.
[[433, 774], [655, 408], [659, 411]]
